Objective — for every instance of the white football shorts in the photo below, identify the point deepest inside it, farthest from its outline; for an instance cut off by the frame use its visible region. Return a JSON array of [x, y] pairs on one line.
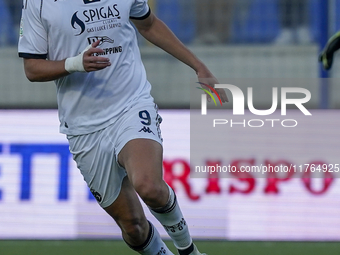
[[96, 154]]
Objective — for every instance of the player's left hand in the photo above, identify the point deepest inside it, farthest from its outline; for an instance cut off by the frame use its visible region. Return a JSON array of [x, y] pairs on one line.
[[92, 61], [206, 80]]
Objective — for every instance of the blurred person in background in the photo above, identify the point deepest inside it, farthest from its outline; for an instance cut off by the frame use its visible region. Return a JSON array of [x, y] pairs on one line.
[[14, 7], [213, 21], [10, 11], [294, 17]]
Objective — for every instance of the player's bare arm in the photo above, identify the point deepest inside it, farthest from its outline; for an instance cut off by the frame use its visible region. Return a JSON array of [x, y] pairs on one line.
[[156, 32], [41, 70]]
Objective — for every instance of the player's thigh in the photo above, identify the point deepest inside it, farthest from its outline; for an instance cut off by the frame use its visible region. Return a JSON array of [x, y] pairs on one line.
[[139, 146], [143, 161], [139, 151]]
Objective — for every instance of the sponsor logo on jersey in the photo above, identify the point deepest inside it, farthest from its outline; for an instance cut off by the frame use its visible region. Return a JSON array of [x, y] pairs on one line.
[[102, 39], [96, 19], [146, 130], [111, 50], [105, 39], [90, 1], [76, 20]]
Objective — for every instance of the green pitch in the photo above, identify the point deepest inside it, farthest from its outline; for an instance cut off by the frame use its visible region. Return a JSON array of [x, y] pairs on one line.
[[107, 247]]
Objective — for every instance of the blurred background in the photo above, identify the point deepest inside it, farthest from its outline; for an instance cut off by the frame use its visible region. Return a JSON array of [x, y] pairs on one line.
[[43, 196], [236, 39]]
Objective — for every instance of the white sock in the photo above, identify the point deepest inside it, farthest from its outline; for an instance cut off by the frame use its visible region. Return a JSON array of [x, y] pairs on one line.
[[171, 217], [153, 244]]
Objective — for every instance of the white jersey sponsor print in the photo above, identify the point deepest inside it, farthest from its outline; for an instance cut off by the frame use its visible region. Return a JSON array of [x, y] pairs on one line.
[[56, 30]]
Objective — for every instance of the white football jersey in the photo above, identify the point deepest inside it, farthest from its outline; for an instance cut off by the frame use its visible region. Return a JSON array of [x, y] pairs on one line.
[[58, 29]]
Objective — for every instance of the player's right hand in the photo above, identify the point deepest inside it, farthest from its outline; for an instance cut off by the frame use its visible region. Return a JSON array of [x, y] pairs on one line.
[[326, 56], [92, 62]]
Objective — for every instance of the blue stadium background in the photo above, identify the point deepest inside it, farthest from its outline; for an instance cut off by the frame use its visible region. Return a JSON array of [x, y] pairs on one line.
[[261, 23], [254, 23]]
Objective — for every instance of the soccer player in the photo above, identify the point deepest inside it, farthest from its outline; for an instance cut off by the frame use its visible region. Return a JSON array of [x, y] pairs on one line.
[[327, 54], [294, 17], [89, 48], [213, 21]]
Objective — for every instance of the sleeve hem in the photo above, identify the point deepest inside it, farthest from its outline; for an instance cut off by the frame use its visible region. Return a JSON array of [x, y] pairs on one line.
[[142, 17], [34, 56]]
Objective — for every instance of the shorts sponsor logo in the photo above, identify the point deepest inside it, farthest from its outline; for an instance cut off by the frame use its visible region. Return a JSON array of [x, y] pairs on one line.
[[96, 195], [162, 251], [146, 130]]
